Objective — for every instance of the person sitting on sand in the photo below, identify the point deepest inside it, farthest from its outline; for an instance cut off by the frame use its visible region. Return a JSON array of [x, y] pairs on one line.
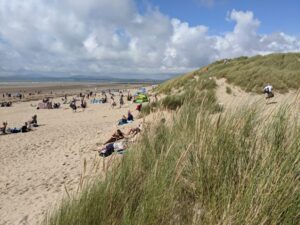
[[129, 116], [3, 128], [26, 127], [56, 105], [73, 105], [104, 99], [116, 136], [33, 121], [268, 90]]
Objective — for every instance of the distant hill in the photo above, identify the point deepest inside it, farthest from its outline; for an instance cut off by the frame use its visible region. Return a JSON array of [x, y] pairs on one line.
[[250, 73], [37, 78]]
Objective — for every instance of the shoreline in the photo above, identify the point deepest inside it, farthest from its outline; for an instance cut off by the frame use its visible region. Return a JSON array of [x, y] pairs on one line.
[[42, 90]]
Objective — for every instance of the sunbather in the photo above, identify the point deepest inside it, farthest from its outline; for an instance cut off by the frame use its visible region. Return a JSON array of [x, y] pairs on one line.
[[116, 136], [112, 147], [136, 130], [123, 120]]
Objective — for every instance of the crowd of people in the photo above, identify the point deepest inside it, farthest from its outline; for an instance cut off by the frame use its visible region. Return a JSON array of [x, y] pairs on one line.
[[26, 127], [6, 104]]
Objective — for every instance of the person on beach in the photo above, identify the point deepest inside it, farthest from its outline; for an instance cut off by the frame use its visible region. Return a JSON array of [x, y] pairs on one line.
[[129, 97], [129, 116], [33, 121], [26, 127], [121, 100], [113, 103], [115, 137], [3, 128], [268, 90], [139, 107], [136, 130], [123, 120], [111, 148], [83, 103], [73, 105]]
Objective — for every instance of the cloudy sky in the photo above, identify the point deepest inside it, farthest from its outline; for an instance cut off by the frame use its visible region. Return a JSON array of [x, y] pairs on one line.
[[139, 38]]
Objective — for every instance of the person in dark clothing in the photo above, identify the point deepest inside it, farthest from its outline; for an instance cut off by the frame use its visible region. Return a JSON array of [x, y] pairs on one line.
[[129, 116], [24, 128], [33, 121], [123, 120]]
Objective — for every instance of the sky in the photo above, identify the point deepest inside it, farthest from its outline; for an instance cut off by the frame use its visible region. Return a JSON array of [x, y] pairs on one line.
[[139, 38]]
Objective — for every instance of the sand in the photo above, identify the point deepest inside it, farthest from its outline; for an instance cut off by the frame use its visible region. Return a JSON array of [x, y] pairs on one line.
[[37, 167]]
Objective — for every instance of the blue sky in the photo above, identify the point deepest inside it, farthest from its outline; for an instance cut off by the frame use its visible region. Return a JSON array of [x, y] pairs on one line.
[[275, 15], [139, 38]]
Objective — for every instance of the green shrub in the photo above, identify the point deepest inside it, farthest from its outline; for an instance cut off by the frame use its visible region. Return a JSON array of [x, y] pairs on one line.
[[172, 102], [228, 90]]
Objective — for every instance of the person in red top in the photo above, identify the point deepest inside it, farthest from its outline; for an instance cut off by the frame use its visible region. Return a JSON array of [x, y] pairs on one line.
[[139, 107]]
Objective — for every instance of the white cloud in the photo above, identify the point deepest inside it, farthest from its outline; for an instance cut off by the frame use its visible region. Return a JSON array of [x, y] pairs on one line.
[[100, 37]]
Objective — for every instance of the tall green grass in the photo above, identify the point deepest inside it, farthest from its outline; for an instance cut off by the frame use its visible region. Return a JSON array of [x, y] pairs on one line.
[[233, 168]]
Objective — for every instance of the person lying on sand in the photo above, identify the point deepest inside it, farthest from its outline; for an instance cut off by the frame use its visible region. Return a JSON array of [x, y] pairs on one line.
[[112, 147], [3, 128], [123, 120], [116, 136], [135, 131]]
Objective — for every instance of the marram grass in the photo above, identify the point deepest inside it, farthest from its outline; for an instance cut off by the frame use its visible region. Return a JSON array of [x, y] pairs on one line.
[[230, 168]]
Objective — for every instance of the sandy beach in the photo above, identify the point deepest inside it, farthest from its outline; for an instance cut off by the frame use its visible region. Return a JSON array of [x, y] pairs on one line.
[[37, 167]]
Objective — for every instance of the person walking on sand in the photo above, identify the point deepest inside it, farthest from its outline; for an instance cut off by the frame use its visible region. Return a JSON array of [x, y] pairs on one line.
[[121, 100], [113, 103], [268, 90]]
